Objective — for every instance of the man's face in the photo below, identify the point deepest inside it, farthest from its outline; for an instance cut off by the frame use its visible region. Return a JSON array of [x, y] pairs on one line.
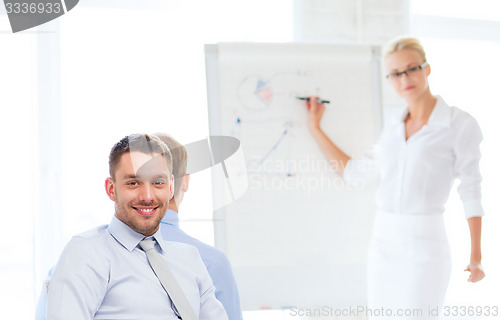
[[141, 191]]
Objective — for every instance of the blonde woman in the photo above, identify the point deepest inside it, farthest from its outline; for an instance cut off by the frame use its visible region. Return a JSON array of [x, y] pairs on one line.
[[417, 158]]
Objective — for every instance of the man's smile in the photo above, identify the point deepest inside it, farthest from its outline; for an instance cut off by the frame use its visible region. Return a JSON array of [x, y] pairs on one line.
[[145, 211]]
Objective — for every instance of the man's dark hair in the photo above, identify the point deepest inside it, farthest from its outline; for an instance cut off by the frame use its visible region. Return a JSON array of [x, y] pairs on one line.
[[139, 142]]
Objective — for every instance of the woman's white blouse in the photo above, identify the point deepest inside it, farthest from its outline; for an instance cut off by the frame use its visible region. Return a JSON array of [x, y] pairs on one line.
[[416, 175]]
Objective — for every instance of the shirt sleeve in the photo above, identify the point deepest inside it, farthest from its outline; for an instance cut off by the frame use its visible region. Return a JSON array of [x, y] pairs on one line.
[[78, 284], [226, 290], [468, 154], [359, 171], [41, 306], [210, 307]]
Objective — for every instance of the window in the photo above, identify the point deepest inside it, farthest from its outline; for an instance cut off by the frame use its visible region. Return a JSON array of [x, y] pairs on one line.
[[18, 161]]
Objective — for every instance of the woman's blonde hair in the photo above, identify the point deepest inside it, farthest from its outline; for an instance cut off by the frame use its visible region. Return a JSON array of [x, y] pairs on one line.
[[404, 42]]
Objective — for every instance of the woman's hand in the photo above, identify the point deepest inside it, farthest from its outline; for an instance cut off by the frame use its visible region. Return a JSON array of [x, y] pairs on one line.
[[476, 272], [315, 111]]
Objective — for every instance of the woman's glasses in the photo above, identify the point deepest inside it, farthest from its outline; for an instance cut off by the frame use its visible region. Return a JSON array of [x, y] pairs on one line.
[[408, 72]]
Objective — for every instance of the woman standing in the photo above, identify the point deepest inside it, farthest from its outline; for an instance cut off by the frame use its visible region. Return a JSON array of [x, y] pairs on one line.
[[417, 159]]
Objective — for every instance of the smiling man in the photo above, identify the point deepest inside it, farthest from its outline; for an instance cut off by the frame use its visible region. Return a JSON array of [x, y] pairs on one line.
[[141, 187], [105, 273]]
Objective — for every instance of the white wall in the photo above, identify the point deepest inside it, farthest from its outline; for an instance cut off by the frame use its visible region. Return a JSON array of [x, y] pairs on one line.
[[366, 21]]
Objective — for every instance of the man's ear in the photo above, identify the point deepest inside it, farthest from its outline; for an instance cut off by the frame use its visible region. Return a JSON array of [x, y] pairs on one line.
[[185, 182], [171, 187], [110, 189]]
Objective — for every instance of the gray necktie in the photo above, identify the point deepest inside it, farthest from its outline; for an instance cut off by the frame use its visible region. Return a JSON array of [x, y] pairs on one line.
[[167, 280]]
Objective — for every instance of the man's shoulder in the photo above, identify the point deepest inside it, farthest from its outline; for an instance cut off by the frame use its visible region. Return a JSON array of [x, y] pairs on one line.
[[86, 248], [179, 247], [93, 234], [212, 257], [179, 236], [207, 251], [93, 237], [182, 253]]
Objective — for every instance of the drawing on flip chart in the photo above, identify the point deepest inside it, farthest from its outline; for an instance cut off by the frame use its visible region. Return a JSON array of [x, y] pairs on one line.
[[257, 93], [268, 118], [277, 145]]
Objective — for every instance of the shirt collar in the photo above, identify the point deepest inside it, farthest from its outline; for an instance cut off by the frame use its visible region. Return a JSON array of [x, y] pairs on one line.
[[128, 237], [171, 218], [440, 116]]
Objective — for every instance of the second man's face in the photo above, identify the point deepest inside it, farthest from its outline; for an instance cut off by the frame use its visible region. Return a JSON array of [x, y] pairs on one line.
[[141, 191]]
